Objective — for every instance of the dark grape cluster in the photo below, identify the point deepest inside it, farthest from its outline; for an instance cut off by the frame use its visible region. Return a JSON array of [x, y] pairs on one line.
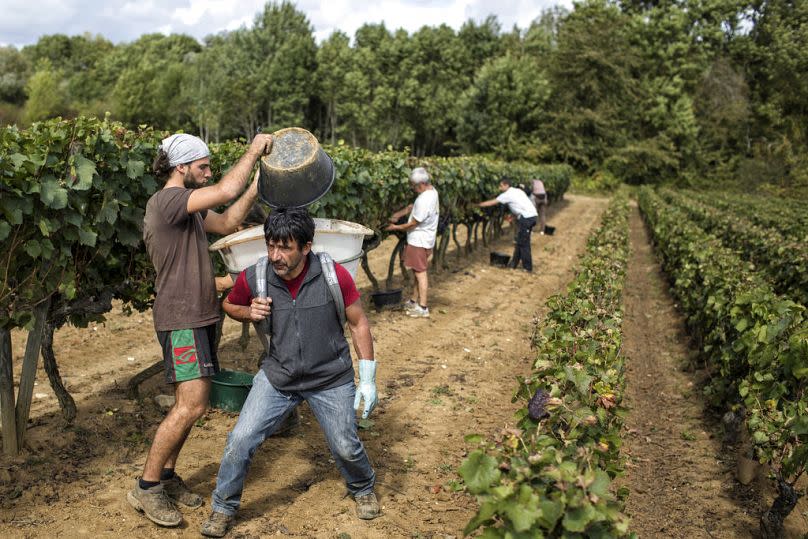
[[537, 407]]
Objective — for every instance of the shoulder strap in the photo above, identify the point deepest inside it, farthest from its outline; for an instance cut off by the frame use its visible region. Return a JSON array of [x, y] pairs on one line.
[[261, 276], [263, 326], [330, 274]]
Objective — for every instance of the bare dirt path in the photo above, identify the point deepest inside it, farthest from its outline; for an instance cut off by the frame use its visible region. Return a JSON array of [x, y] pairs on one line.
[[680, 474], [439, 379]]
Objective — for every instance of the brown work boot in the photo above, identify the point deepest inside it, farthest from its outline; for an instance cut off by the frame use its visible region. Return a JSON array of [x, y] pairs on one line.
[[155, 504], [216, 525], [367, 507], [177, 490]]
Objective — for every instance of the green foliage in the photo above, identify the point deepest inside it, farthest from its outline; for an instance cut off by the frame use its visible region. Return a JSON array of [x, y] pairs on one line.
[[788, 217], [691, 92], [46, 97], [502, 109], [782, 262], [551, 477], [594, 97], [599, 182], [147, 89], [370, 186], [73, 194], [753, 341], [14, 72]]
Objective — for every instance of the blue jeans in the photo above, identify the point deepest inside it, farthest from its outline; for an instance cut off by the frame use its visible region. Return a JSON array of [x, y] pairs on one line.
[[264, 410]]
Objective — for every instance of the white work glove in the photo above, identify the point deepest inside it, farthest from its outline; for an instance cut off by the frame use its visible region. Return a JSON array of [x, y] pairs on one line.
[[367, 386]]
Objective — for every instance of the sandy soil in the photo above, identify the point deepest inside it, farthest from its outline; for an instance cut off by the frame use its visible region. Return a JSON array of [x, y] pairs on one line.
[[439, 379]]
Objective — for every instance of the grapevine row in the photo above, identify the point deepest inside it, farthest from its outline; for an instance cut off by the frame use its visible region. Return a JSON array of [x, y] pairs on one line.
[[72, 199], [783, 262], [788, 217], [551, 476], [753, 341]]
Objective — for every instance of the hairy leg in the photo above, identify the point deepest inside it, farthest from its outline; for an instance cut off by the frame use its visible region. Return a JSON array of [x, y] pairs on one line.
[[192, 401]]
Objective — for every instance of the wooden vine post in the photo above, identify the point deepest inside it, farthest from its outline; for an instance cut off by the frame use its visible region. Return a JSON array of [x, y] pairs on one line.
[[7, 395], [15, 412], [29, 367]]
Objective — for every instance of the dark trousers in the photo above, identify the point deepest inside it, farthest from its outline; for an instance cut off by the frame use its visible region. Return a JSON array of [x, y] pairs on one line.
[[522, 249]]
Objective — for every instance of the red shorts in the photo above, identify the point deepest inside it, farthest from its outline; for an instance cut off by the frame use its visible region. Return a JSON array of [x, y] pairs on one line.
[[415, 258]]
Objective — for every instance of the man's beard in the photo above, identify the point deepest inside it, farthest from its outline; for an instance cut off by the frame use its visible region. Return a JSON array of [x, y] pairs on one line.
[[188, 181], [282, 268]]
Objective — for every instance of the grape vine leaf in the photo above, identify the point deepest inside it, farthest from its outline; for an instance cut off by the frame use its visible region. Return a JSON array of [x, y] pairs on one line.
[[134, 169], [577, 519], [84, 170], [479, 472], [53, 195]]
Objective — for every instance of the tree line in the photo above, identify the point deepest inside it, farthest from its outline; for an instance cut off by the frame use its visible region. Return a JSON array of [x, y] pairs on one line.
[[636, 91]]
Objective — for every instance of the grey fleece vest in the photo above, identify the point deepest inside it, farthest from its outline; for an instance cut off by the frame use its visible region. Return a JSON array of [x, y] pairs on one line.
[[308, 349]]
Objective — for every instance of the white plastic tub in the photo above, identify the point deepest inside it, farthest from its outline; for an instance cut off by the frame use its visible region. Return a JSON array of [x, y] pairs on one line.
[[352, 264], [341, 239]]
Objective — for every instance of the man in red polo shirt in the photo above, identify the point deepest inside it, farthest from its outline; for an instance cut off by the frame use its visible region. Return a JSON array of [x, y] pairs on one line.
[[307, 359]]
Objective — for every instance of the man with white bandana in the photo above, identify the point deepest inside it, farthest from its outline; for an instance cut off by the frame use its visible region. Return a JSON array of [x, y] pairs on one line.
[[186, 308]]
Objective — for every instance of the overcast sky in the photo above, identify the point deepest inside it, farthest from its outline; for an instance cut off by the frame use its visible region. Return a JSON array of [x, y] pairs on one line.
[[22, 22]]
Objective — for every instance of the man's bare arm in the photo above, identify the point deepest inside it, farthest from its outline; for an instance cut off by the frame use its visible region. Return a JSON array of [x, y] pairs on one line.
[[232, 184], [360, 330]]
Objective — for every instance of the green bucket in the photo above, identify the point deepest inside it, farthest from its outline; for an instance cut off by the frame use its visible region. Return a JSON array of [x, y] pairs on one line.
[[230, 389]]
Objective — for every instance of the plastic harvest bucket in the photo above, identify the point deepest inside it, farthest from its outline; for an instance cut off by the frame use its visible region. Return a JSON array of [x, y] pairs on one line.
[[499, 259], [386, 298], [297, 171], [229, 389]]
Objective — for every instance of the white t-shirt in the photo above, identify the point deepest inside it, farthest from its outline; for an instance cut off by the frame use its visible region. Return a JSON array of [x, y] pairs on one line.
[[425, 210], [518, 203]]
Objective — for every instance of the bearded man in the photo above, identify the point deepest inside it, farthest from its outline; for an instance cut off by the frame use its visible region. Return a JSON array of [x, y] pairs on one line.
[[186, 308]]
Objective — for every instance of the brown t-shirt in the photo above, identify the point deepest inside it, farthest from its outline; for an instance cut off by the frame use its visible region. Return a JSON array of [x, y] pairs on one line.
[[178, 248]]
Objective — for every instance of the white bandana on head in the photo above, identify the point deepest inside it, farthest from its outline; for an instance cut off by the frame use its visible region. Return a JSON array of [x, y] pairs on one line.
[[182, 148]]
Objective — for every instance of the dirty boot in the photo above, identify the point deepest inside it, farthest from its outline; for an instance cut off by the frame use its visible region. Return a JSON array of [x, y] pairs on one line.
[[177, 490], [367, 507], [216, 525], [155, 504]]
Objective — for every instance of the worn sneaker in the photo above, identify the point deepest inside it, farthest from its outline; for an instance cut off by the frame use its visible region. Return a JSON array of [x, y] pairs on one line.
[[216, 525], [419, 312], [155, 504], [408, 305], [367, 507], [177, 490]]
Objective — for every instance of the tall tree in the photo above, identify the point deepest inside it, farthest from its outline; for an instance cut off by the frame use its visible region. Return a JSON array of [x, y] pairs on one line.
[[434, 73], [778, 60], [335, 61], [481, 42], [281, 55], [46, 95], [14, 72], [594, 95], [148, 87], [502, 111]]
